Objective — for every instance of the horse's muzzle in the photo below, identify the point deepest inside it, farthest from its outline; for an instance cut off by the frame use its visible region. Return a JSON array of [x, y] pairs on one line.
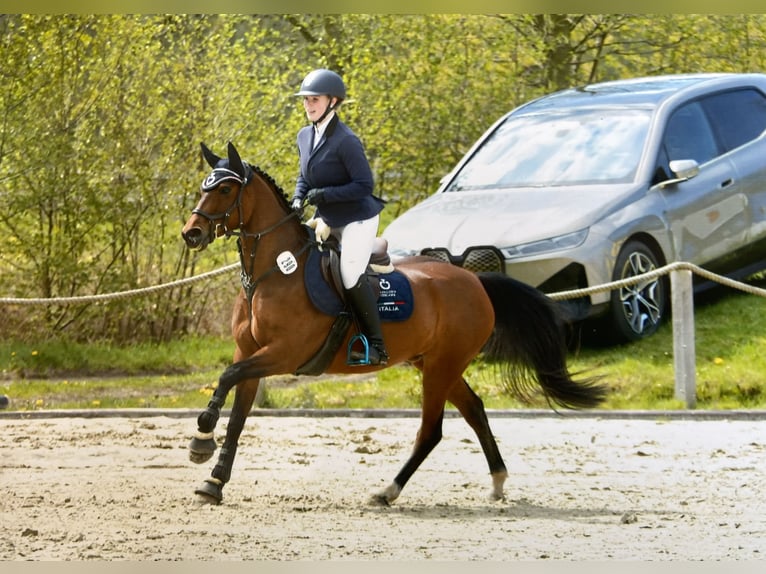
[[196, 238]]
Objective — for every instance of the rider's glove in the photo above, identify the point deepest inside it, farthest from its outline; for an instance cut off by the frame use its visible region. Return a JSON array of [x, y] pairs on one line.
[[315, 197]]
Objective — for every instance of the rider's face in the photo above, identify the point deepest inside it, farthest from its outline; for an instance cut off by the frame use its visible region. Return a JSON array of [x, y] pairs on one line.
[[315, 106]]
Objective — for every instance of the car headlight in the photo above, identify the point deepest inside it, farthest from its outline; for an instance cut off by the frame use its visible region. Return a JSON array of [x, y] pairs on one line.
[[566, 241]]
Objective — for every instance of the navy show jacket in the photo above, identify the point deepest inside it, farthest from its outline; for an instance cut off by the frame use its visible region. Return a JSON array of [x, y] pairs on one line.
[[338, 165]]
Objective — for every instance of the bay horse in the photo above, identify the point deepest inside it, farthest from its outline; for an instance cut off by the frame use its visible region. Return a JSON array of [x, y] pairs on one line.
[[457, 315]]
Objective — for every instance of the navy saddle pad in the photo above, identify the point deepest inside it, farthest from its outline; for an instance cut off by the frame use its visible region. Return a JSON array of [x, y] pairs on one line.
[[394, 303]]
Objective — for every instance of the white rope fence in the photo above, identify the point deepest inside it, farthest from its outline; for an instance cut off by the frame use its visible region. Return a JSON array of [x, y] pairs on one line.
[[684, 358], [651, 275], [119, 295], [561, 295]]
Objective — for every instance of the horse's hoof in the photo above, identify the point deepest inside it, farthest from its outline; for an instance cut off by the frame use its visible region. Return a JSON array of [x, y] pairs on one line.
[[379, 500], [211, 491], [496, 497], [498, 480], [386, 496], [201, 449], [199, 457]]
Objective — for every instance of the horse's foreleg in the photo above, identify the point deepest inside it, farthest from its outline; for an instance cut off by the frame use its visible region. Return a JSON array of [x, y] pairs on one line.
[[202, 445], [211, 489], [471, 407], [429, 435]]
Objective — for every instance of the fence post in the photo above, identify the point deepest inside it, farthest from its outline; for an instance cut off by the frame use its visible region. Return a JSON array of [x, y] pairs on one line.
[[684, 355]]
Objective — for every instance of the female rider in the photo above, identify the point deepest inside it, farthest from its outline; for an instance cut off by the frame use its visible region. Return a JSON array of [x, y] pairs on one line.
[[335, 176]]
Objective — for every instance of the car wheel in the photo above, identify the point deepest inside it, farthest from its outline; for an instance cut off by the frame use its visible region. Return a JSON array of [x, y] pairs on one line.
[[637, 310]]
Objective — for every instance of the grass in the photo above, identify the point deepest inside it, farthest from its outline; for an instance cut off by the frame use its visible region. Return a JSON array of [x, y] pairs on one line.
[[730, 346], [730, 352]]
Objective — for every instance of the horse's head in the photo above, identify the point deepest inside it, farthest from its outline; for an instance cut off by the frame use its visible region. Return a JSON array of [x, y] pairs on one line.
[[219, 210]]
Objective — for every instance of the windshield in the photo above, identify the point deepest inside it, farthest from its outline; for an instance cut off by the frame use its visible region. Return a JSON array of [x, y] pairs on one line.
[[552, 149]]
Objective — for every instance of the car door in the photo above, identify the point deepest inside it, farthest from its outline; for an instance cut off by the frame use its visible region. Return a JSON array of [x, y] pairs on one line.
[[706, 214], [739, 119]]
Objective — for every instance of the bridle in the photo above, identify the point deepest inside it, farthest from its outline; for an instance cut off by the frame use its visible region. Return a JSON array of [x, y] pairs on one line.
[[210, 184], [217, 177]]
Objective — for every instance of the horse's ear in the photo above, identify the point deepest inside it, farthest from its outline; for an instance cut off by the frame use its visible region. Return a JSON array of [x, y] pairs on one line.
[[235, 162], [210, 157]]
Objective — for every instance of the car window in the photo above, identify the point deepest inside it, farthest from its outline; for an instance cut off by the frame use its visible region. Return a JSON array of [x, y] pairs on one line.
[[688, 135], [558, 148], [738, 116]]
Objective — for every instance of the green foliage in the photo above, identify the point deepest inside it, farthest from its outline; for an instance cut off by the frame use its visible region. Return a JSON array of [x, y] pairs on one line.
[[62, 358], [730, 351], [398, 388], [101, 118], [154, 391]]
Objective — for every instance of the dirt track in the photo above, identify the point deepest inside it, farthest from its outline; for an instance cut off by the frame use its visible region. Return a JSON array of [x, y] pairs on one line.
[[580, 489]]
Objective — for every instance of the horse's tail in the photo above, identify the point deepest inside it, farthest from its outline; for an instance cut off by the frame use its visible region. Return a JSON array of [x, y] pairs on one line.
[[529, 343]]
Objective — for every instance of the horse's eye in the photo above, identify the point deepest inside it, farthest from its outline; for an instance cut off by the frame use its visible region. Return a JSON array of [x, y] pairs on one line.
[[224, 189]]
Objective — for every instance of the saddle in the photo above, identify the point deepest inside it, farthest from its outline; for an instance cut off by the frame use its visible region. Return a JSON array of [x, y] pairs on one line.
[[380, 260], [324, 287]]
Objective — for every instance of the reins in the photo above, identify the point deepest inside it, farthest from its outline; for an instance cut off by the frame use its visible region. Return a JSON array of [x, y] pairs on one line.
[[248, 283]]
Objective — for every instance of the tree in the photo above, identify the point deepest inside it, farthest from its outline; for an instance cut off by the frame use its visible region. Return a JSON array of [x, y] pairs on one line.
[[90, 199], [101, 118]]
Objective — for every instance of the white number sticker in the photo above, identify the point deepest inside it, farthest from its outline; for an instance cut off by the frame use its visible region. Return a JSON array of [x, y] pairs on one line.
[[286, 262]]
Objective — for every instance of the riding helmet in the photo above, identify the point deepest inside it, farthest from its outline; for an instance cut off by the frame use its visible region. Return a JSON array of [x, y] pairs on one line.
[[323, 82]]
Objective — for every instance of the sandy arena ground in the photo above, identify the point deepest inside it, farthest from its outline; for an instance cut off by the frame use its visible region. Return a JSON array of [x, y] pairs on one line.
[[121, 488]]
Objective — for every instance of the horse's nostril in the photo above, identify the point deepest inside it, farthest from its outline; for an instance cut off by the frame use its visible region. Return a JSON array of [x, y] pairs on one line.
[[192, 236]]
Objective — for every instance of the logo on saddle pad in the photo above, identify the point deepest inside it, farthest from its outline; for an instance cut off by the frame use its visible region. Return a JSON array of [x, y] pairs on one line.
[[394, 301], [391, 299]]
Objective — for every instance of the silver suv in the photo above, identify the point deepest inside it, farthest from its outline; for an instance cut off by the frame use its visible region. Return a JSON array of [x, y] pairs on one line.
[[605, 182]]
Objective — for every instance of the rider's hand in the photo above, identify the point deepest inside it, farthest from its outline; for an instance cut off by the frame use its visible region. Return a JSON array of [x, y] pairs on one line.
[[315, 197], [297, 204]]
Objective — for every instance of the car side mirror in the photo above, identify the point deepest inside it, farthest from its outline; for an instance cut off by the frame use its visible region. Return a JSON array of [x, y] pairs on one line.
[[683, 169]]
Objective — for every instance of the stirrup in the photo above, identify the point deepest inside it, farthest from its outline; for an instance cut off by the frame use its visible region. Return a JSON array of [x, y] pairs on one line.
[[359, 358], [355, 357]]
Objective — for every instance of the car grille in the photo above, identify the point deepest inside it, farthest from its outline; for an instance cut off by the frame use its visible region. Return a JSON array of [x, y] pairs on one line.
[[473, 259]]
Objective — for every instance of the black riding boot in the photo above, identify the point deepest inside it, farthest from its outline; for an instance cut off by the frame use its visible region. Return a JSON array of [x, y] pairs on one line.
[[365, 308]]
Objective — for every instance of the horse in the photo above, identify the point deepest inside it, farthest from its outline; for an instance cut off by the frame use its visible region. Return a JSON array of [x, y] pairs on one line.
[[456, 316]]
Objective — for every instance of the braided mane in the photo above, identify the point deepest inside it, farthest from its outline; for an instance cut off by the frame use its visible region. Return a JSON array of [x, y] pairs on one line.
[[273, 184]]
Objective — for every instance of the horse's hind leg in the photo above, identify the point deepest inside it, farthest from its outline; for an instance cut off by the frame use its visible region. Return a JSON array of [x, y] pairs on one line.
[[211, 489], [429, 435], [472, 409]]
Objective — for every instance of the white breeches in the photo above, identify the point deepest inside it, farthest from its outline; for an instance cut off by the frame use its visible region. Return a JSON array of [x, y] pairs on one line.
[[356, 241]]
